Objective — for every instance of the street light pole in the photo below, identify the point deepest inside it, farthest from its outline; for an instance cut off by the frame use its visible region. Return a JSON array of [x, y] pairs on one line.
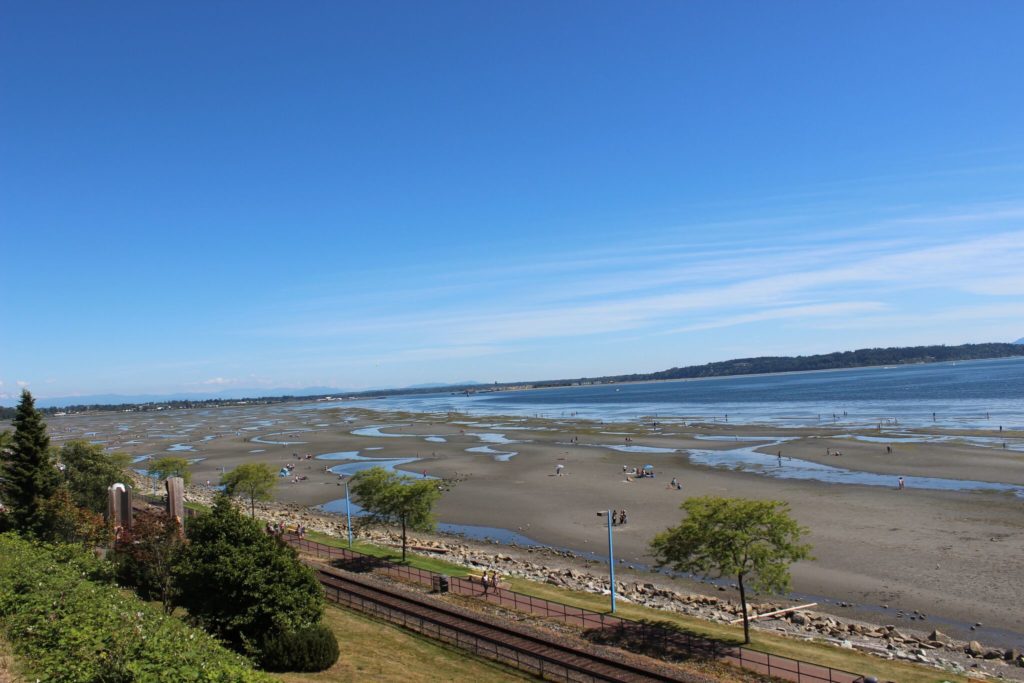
[[611, 560], [348, 515]]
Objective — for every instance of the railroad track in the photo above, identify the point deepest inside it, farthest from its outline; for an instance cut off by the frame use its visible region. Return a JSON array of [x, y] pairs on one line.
[[520, 649]]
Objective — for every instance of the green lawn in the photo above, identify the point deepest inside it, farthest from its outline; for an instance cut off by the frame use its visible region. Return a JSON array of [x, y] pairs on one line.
[[392, 554], [374, 650]]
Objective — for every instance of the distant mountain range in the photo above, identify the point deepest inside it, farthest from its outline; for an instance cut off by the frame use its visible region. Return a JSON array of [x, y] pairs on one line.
[[740, 366], [233, 394]]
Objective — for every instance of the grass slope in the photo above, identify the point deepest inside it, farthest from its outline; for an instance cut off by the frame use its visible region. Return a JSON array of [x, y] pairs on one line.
[[373, 650]]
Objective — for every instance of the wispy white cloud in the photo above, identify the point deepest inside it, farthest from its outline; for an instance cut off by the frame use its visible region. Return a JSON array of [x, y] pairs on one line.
[[895, 275], [811, 311], [219, 381], [22, 383]]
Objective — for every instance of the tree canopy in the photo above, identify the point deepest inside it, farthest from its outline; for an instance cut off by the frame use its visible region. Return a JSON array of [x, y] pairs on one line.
[[29, 475], [240, 583], [747, 539], [392, 498], [255, 481], [170, 466], [88, 471]]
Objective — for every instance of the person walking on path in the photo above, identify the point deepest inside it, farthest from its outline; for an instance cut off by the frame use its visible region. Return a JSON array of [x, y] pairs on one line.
[[900, 485]]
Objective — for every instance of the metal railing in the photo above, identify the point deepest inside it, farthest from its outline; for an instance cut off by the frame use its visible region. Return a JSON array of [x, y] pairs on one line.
[[687, 644], [520, 658]]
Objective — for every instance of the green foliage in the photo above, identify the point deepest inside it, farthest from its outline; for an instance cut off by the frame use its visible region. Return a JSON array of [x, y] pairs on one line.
[[239, 583], [61, 521], [169, 466], [255, 481], [88, 471], [734, 537], [314, 648], [66, 627], [144, 556], [392, 498], [28, 474]]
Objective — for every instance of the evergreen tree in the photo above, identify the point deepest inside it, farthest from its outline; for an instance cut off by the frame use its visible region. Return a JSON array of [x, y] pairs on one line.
[[29, 477]]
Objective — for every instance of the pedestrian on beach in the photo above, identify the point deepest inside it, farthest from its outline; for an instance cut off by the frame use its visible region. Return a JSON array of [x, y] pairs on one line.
[[558, 469], [900, 485], [622, 517]]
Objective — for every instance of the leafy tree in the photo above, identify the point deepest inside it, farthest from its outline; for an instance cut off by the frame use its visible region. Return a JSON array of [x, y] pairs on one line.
[[170, 466], [253, 480], [748, 539], [89, 471], [145, 555], [242, 584], [29, 477], [62, 521], [392, 498]]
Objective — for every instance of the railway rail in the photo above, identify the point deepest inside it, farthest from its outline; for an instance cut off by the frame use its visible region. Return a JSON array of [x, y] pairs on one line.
[[514, 647]]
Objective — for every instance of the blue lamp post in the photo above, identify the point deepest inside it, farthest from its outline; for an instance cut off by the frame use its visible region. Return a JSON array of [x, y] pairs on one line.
[[611, 556], [348, 514]]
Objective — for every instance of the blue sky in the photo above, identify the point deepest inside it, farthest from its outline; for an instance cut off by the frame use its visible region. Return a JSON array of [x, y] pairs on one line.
[[197, 196]]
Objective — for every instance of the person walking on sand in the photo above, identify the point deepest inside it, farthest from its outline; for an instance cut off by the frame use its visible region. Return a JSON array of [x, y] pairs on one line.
[[558, 469], [900, 485], [622, 517]]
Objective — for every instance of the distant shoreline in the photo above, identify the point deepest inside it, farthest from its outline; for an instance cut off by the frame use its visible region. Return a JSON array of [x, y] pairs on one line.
[[904, 356]]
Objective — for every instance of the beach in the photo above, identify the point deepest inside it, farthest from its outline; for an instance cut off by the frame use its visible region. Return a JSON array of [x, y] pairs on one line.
[[955, 555]]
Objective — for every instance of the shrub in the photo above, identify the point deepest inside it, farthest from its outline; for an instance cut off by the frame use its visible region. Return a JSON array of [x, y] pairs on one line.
[[241, 584], [313, 648], [144, 556], [66, 627]]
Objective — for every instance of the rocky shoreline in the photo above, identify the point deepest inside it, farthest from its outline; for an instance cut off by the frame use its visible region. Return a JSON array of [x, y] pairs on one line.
[[564, 569]]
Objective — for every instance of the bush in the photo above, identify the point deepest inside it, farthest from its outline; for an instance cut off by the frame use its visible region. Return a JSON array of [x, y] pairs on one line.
[[313, 648], [144, 556], [66, 627], [240, 584]]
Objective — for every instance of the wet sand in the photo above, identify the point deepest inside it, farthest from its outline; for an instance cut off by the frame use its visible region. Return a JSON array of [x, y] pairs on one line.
[[955, 555]]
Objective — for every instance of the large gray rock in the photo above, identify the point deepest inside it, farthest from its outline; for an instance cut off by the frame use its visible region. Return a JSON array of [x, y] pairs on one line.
[[940, 637], [974, 649]]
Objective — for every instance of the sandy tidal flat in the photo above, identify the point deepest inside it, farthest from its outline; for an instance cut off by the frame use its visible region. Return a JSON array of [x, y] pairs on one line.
[[955, 555]]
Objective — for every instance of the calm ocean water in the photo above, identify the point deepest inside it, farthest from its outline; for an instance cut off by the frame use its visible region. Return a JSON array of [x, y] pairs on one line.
[[975, 394]]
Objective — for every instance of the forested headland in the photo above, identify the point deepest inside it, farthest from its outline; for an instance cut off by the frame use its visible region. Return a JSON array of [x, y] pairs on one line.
[[900, 355]]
